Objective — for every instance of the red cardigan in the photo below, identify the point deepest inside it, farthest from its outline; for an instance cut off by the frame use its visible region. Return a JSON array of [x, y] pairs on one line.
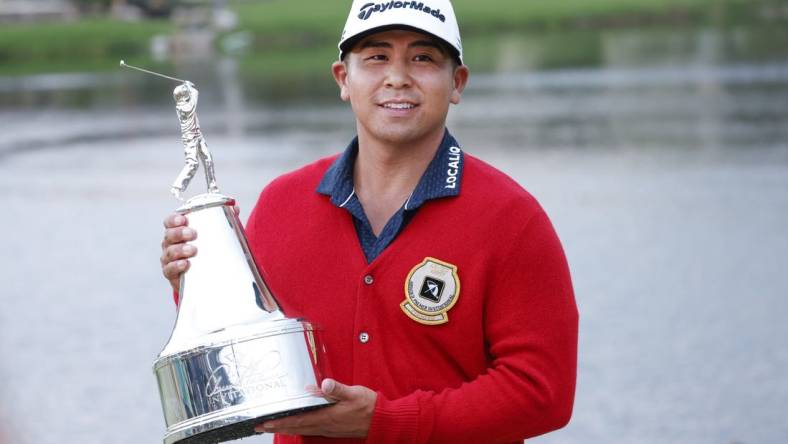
[[501, 369]]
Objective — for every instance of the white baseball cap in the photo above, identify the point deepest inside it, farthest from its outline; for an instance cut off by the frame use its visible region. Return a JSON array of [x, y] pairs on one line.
[[434, 17]]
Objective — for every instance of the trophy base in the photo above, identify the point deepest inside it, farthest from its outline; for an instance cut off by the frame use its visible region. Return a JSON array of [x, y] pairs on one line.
[[222, 389], [241, 429]]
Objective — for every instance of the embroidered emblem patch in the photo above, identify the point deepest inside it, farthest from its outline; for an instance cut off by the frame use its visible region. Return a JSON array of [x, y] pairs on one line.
[[431, 290]]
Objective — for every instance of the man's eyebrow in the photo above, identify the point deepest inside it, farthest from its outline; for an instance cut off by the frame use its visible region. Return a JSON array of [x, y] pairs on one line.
[[374, 44], [371, 43], [427, 43]]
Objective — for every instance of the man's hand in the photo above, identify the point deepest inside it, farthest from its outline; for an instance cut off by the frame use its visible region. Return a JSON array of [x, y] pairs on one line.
[[175, 252], [348, 418]]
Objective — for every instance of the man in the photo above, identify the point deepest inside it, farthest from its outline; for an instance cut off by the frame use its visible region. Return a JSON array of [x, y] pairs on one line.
[[441, 287]]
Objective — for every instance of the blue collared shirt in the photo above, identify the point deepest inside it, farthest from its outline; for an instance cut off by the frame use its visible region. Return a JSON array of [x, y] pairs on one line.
[[442, 178]]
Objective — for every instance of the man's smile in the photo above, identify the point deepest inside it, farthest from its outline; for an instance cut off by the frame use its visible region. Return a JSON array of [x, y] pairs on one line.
[[398, 105]]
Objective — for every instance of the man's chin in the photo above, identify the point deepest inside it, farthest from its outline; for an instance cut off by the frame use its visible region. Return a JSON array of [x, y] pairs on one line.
[[402, 134], [401, 137]]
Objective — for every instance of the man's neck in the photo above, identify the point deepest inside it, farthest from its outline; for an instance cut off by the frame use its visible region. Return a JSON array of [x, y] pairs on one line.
[[386, 175]]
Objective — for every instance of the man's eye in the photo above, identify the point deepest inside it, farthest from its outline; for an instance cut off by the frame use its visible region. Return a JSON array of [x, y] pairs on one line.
[[423, 58], [379, 57]]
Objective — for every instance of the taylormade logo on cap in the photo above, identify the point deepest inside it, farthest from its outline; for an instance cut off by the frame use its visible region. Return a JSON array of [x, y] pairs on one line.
[[369, 8], [433, 17]]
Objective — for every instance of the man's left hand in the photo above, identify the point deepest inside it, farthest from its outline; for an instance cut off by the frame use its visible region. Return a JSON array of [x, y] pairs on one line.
[[348, 418]]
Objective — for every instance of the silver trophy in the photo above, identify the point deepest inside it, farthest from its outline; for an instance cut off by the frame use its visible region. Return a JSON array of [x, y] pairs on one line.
[[233, 359]]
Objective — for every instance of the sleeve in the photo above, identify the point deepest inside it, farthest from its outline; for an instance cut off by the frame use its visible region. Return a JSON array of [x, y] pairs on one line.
[[531, 327]]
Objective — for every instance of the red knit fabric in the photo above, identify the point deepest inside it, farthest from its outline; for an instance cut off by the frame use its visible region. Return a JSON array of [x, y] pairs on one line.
[[501, 370]]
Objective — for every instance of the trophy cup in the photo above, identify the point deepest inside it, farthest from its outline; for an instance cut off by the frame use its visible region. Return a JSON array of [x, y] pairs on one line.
[[233, 359]]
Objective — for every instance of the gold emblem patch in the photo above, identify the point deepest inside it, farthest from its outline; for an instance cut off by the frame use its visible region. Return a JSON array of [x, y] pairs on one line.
[[431, 289]]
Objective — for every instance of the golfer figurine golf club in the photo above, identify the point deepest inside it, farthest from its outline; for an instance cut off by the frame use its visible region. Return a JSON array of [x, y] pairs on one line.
[[194, 145]]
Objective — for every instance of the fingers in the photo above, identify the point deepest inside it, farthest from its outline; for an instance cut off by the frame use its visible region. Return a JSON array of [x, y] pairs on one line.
[[178, 235], [176, 252], [174, 245], [176, 230], [172, 271], [303, 424], [349, 417], [336, 390], [175, 220], [174, 259]]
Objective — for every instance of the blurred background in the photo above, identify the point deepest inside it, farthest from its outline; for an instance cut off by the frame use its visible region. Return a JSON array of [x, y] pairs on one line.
[[654, 132]]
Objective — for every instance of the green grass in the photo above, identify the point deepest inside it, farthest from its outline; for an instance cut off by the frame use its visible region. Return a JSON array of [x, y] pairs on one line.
[[536, 13], [306, 22], [82, 42], [298, 36], [293, 22]]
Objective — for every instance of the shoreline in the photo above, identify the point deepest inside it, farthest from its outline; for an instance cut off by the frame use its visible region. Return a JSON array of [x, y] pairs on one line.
[[284, 32]]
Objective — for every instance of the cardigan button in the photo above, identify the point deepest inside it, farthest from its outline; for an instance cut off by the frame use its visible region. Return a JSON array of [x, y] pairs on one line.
[[363, 337], [368, 279]]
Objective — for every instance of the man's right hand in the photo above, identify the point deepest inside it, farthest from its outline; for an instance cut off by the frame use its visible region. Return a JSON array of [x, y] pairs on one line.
[[175, 252]]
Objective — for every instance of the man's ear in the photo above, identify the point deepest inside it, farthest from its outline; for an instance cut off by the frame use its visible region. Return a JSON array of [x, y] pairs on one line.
[[339, 70], [460, 79]]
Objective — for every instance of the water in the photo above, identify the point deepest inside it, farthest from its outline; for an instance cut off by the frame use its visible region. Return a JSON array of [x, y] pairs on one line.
[[667, 182]]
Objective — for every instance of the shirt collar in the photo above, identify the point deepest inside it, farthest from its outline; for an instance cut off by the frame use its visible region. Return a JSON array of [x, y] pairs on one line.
[[442, 178], [337, 181]]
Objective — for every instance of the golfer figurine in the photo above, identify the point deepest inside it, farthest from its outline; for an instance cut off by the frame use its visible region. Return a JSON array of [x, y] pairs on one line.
[[194, 145]]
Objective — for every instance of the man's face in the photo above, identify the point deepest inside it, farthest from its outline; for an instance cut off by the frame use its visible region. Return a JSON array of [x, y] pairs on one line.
[[399, 84]]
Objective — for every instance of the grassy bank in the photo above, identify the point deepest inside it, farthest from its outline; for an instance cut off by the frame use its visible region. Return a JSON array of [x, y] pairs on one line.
[[313, 26], [35, 47], [568, 27], [277, 23]]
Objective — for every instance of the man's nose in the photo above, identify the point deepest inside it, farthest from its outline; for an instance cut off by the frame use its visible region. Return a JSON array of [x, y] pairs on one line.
[[398, 75]]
